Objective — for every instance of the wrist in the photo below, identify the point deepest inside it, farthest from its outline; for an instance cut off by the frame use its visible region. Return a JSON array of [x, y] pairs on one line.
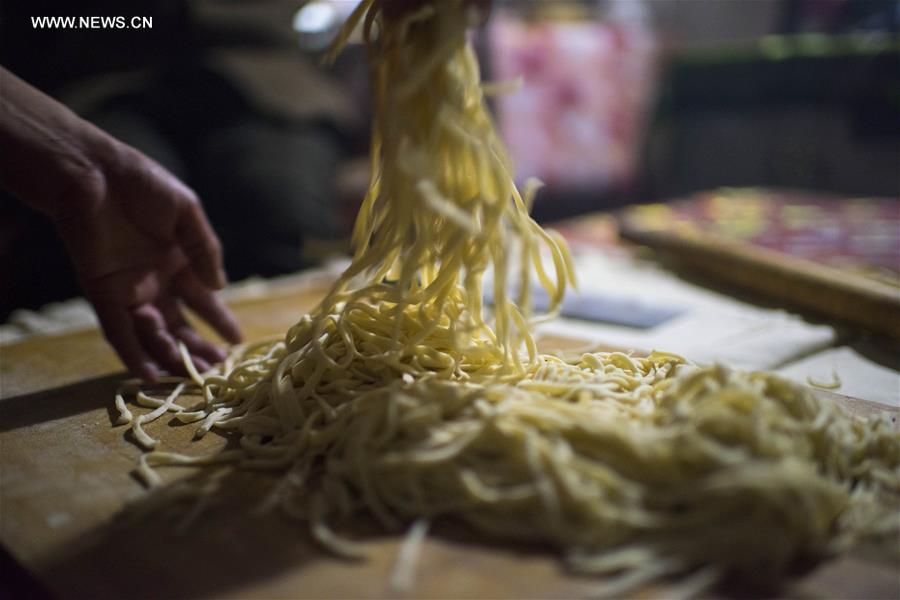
[[82, 168]]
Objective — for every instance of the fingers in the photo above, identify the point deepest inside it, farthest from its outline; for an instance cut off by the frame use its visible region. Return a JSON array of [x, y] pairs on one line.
[[146, 334], [153, 333], [205, 303], [198, 241], [202, 351], [146, 341], [119, 329], [159, 328]]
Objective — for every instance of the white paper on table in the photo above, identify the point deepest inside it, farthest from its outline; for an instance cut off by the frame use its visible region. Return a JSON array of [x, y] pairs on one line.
[[859, 376], [713, 327]]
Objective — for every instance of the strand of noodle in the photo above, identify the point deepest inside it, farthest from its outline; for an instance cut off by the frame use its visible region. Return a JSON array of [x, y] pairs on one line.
[[189, 364], [137, 428], [325, 536], [149, 402], [125, 417], [404, 571]]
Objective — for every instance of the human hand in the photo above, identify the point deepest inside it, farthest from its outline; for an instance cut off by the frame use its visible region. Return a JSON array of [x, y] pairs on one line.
[[143, 249], [137, 236]]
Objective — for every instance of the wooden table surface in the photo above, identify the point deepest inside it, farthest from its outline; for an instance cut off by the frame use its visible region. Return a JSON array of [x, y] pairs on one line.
[[73, 515]]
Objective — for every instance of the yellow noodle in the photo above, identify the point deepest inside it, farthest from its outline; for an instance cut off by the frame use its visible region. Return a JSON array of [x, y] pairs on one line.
[[404, 571], [125, 417], [834, 384]]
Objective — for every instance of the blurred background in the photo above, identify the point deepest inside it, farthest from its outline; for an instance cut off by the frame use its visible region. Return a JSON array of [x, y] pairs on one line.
[[622, 102], [645, 100]]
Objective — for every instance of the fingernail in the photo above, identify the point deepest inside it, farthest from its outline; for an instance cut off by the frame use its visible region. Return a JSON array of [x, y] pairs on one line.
[[220, 354]]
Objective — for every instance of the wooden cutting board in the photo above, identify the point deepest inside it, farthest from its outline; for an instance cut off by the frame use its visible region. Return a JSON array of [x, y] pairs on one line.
[[73, 515]]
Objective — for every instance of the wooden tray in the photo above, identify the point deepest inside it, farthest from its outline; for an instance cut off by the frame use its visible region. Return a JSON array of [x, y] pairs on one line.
[[704, 247]]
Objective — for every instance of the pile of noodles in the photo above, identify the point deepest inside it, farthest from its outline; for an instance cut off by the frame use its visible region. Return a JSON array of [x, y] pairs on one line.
[[400, 396]]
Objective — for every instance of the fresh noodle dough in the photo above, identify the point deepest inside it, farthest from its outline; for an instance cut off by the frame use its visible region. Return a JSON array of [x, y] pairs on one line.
[[401, 396]]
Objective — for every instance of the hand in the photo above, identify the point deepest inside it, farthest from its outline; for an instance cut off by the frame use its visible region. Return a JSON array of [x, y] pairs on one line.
[[138, 237], [142, 248]]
